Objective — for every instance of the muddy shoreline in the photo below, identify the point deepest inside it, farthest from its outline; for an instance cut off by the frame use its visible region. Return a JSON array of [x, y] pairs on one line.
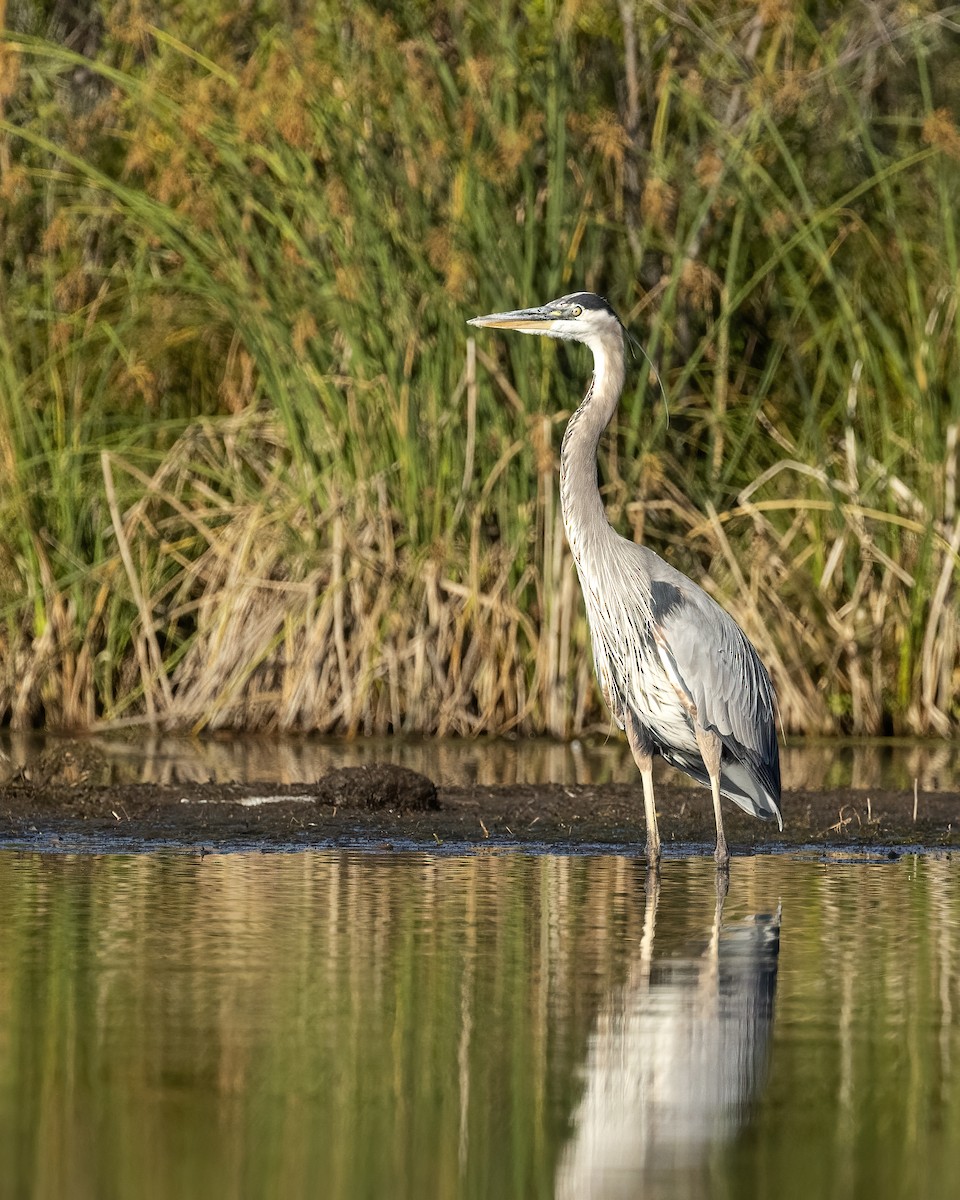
[[267, 816]]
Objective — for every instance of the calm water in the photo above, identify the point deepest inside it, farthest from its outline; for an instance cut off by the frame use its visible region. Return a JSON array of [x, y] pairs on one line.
[[360, 1025]]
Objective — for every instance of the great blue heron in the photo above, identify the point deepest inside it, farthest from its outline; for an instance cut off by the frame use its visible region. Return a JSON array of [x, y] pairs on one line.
[[677, 672]]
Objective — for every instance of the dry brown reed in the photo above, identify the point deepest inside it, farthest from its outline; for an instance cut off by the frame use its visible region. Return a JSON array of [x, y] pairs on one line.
[[249, 611]]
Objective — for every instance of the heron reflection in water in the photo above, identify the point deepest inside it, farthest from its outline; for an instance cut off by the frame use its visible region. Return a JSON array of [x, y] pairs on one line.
[[676, 671], [677, 1056]]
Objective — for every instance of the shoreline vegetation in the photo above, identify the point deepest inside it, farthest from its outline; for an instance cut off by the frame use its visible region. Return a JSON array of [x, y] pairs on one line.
[[254, 473]]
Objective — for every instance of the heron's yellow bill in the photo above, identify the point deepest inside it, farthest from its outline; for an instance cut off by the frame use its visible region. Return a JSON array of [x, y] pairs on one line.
[[524, 319]]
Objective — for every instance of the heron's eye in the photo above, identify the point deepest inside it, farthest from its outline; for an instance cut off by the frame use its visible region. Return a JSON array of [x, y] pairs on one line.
[[576, 311]]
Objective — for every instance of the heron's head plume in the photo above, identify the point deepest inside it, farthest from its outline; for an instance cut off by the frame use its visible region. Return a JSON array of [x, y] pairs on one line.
[[579, 317]]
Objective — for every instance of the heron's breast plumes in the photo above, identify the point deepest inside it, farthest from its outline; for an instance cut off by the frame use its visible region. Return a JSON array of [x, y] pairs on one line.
[[627, 653]]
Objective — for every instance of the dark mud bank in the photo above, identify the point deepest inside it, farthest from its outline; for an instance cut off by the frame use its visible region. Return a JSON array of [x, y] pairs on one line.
[[382, 807]]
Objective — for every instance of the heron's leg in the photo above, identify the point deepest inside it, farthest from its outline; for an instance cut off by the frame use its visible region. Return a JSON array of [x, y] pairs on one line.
[[650, 811], [709, 745], [643, 757]]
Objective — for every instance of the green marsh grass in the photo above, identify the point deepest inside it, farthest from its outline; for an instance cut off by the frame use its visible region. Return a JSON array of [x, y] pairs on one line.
[[256, 475]]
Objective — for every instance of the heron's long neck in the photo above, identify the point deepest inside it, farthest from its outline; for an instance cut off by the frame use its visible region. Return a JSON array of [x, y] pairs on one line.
[[584, 517]]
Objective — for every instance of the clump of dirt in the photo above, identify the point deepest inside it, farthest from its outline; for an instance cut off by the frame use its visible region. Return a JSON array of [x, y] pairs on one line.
[[380, 786]]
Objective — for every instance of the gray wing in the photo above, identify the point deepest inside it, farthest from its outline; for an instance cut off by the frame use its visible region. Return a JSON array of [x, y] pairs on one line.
[[708, 656]]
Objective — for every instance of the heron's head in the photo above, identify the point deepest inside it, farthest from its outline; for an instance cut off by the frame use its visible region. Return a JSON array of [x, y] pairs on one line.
[[579, 317]]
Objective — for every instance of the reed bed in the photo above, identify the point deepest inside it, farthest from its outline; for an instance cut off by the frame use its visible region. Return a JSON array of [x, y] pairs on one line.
[[257, 476]]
